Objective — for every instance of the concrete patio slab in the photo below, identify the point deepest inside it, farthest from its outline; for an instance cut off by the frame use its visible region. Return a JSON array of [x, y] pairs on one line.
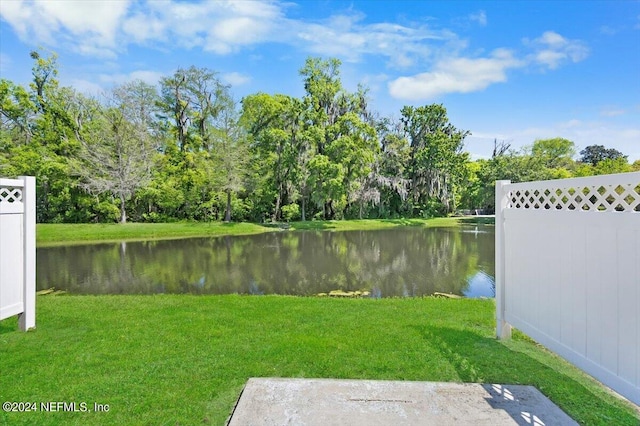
[[329, 402]]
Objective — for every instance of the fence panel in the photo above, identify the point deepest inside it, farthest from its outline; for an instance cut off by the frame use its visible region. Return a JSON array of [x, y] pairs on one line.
[[17, 250], [568, 271]]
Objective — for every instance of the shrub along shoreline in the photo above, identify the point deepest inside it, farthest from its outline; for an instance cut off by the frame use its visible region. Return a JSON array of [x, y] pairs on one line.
[[183, 359], [48, 234]]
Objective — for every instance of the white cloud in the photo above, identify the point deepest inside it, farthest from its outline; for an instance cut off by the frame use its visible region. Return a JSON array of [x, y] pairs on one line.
[[569, 124], [151, 77], [373, 82], [18, 16], [235, 78], [347, 37], [87, 87], [551, 50], [103, 28], [88, 48], [90, 27], [5, 61], [480, 17], [106, 81], [607, 30], [611, 111], [456, 75], [551, 38], [143, 28], [82, 17], [221, 27], [624, 139], [100, 27]]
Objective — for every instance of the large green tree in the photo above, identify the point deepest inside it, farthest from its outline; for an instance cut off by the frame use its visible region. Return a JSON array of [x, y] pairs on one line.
[[191, 104], [554, 153], [593, 154], [437, 160], [342, 142], [191, 100], [230, 153], [389, 176], [39, 137], [274, 124]]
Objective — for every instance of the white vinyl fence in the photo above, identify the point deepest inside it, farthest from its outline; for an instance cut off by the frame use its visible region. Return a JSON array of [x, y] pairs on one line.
[[568, 271], [18, 250]]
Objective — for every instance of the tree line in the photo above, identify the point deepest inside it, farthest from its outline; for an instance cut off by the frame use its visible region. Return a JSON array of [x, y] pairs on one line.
[[186, 149]]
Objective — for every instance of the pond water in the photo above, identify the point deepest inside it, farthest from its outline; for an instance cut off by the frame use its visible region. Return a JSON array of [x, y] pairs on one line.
[[399, 262]]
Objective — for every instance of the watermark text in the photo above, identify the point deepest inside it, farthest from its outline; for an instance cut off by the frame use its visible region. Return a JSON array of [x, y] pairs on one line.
[[54, 407]]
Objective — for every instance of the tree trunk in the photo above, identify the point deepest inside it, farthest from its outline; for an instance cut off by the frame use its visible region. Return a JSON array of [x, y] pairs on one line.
[[276, 211], [304, 218], [227, 213], [123, 211]]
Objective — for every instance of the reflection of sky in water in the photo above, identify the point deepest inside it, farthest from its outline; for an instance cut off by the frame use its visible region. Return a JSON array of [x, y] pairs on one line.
[[255, 289], [475, 231], [480, 285], [404, 262]]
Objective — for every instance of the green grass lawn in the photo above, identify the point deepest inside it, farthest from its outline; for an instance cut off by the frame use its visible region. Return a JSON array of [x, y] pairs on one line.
[[56, 234], [182, 360]]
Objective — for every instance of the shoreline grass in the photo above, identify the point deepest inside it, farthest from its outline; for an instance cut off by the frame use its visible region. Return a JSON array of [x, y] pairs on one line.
[[66, 234], [167, 359]]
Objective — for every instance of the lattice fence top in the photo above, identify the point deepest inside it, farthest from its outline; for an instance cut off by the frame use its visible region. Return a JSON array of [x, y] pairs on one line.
[[10, 195], [584, 194]]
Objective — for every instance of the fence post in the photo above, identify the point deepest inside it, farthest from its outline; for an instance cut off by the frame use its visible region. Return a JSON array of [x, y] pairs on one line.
[[503, 328], [27, 319]]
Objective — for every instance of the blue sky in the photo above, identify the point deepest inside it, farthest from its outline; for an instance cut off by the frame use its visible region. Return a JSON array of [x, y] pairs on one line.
[[516, 71]]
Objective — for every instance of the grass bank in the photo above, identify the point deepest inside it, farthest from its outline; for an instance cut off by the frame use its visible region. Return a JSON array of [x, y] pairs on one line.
[[55, 234], [184, 359]]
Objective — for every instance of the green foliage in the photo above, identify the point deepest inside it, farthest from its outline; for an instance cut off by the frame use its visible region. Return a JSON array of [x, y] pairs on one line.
[[107, 211], [605, 167], [436, 166], [230, 156], [547, 159], [472, 195], [339, 143], [241, 209], [274, 130], [593, 154], [291, 212], [185, 151], [432, 208], [554, 153]]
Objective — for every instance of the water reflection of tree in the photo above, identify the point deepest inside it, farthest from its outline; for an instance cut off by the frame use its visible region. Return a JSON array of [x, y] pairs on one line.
[[399, 262]]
